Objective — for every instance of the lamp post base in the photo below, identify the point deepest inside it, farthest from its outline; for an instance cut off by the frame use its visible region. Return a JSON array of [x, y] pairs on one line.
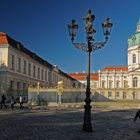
[[87, 118], [87, 128]]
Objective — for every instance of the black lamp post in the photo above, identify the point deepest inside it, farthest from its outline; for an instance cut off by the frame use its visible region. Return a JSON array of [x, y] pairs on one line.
[[88, 48]]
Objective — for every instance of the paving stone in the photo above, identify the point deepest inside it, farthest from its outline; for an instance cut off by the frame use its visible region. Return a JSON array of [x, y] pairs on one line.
[[66, 124]]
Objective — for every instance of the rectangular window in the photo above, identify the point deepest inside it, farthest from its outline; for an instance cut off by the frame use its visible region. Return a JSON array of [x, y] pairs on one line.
[[38, 73], [117, 84], [34, 71], [110, 84], [109, 94], [19, 65], [45, 75], [95, 85], [24, 86], [74, 85], [57, 79], [103, 84], [18, 85], [48, 76], [54, 78], [124, 95], [42, 74], [29, 69], [12, 62], [134, 58], [11, 85], [135, 82], [117, 94], [125, 84], [24, 67]]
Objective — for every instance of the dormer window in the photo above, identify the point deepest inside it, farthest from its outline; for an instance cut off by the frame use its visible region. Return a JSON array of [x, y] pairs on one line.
[[134, 58]]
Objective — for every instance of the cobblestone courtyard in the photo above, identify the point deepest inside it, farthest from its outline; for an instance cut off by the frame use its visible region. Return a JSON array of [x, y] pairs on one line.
[[66, 124]]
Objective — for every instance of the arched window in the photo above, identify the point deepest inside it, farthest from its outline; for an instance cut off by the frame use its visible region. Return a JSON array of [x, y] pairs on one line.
[[134, 58], [135, 82]]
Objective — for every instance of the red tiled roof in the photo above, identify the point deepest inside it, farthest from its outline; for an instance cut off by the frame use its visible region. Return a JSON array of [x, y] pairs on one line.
[[116, 68], [82, 76], [3, 38]]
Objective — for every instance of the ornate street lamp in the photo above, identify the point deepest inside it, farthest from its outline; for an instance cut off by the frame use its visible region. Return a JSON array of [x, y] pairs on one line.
[[88, 48]]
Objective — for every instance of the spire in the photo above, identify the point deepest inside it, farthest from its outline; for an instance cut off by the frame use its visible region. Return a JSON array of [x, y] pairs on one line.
[[138, 26]]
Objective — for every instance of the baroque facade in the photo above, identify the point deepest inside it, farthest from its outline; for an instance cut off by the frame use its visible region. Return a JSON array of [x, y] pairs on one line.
[[21, 68], [119, 82]]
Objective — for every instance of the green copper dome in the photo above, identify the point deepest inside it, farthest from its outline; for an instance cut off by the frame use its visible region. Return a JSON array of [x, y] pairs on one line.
[[135, 39]]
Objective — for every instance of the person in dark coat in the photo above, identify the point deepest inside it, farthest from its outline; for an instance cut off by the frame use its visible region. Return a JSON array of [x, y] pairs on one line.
[[3, 99], [137, 115]]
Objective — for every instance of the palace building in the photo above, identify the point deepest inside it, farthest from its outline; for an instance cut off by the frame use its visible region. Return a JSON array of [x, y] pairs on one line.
[[21, 68], [118, 82]]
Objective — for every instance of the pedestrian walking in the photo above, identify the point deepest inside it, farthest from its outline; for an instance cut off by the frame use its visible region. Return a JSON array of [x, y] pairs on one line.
[[3, 99], [12, 102], [137, 115], [21, 101]]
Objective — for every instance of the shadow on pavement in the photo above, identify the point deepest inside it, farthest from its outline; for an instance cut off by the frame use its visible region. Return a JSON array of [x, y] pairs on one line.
[[66, 124]]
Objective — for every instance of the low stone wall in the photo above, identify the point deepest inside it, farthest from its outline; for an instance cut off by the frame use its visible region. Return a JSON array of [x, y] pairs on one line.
[[52, 95], [45, 96]]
